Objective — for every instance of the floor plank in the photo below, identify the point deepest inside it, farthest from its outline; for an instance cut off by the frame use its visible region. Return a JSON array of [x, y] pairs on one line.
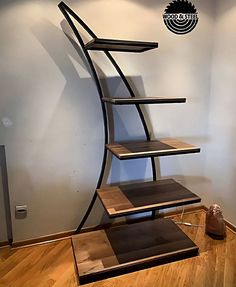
[[53, 265]]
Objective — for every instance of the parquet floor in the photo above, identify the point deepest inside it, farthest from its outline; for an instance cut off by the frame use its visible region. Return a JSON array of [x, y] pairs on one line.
[[52, 265]]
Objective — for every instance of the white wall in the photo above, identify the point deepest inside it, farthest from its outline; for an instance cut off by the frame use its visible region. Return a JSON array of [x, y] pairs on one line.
[[54, 139], [221, 158]]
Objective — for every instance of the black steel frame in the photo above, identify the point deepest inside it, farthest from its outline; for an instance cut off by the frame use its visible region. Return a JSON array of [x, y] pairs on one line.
[[67, 12]]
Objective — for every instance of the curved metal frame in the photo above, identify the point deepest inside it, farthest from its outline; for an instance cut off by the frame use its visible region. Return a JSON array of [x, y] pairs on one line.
[[67, 12]]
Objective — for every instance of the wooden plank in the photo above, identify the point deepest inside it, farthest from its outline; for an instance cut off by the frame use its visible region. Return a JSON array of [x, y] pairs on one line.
[[124, 248], [40, 265], [146, 100], [120, 45], [93, 252], [140, 197], [140, 149]]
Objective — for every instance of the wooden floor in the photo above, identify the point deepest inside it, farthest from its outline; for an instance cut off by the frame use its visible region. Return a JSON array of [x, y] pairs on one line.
[[53, 265]]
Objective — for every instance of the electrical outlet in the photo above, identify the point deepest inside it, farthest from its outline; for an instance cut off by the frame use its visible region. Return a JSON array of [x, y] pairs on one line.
[[20, 211]]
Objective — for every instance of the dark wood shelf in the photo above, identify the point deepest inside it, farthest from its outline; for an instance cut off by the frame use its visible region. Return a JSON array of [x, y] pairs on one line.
[[104, 253], [140, 149], [146, 100], [141, 197], [120, 45]]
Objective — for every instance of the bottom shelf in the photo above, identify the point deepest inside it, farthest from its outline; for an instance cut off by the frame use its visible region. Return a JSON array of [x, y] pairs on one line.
[[126, 248]]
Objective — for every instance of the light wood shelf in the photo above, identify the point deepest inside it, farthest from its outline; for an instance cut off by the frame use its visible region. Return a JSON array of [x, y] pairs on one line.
[[141, 197], [140, 149]]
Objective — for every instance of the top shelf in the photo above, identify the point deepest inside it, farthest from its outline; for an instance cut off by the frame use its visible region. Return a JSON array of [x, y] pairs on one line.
[[120, 45], [144, 100]]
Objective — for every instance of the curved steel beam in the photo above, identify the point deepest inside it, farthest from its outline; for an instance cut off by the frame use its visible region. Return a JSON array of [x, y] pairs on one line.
[[66, 11], [64, 8], [141, 115]]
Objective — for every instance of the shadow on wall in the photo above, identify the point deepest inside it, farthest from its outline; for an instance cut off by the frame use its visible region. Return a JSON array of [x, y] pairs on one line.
[[125, 120], [78, 93], [125, 124], [78, 97]]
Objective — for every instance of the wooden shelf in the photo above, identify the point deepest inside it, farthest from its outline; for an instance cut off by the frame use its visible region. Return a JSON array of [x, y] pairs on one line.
[[141, 197], [140, 149], [120, 45], [104, 253], [146, 100]]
